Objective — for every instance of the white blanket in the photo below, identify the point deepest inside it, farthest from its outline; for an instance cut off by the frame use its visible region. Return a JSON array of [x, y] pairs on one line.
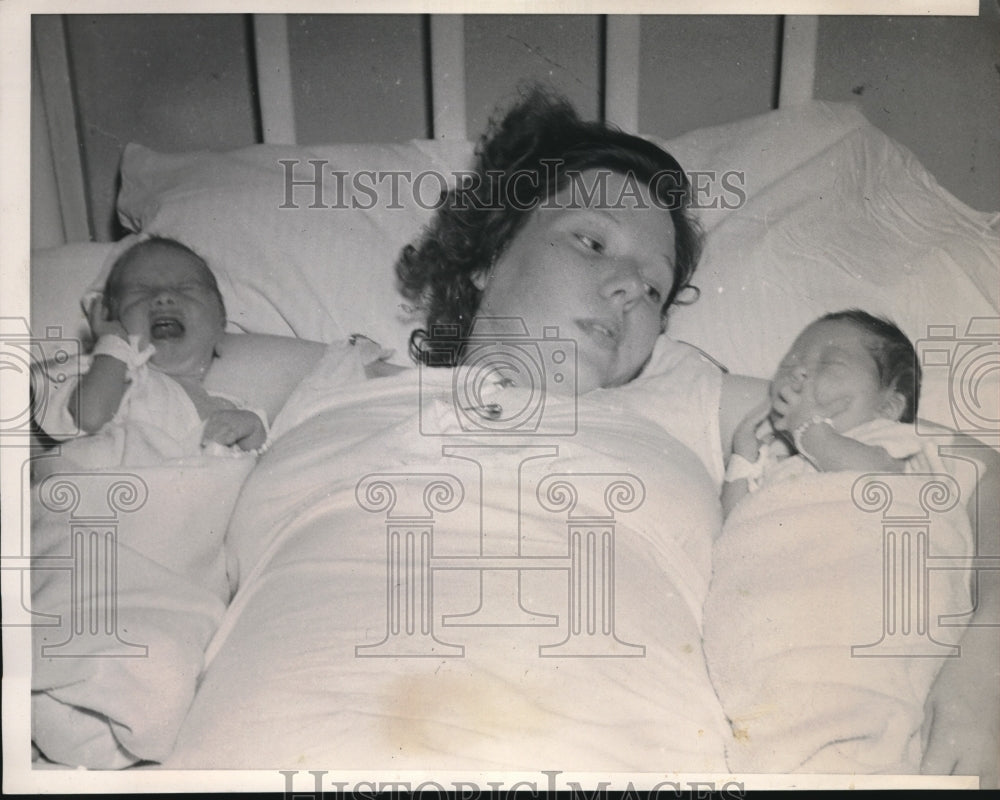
[[341, 651], [129, 567], [799, 579]]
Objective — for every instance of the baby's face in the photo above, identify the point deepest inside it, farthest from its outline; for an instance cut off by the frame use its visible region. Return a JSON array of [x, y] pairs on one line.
[[832, 362], [166, 298]]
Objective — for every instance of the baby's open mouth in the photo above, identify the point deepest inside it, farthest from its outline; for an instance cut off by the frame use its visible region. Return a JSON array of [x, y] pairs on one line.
[[166, 328]]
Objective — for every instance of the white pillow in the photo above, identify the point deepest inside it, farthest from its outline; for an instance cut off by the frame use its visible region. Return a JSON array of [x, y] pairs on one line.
[[60, 276], [835, 215], [838, 215], [313, 261]]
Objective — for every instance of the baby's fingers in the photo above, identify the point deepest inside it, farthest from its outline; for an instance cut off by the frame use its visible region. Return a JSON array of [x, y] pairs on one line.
[[99, 322], [754, 419], [220, 430], [95, 309], [96, 315], [760, 412]]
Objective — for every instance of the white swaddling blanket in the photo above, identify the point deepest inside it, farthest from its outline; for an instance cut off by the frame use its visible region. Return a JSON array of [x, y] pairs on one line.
[[799, 588], [347, 648], [108, 691], [130, 571]]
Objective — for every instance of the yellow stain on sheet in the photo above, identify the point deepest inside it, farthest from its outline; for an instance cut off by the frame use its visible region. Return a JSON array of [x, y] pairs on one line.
[[425, 712]]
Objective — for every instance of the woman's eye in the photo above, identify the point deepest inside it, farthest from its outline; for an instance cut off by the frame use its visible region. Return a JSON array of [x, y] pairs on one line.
[[653, 293], [590, 242]]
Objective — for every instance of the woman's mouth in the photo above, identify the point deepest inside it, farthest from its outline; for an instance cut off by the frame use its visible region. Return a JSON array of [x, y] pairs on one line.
[[605, 332], [166, 327]]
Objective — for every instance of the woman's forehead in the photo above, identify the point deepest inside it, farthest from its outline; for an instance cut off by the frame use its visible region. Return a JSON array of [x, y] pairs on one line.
[[601, 188], [611, 199]]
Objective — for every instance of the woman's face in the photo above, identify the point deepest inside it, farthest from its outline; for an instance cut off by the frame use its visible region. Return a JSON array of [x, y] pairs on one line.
[[597, 271]]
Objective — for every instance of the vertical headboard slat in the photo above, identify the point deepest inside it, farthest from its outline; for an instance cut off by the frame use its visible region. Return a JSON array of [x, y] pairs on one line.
[[274, 78], [447, 57], [798, 59], [621, 71], [49, 37]]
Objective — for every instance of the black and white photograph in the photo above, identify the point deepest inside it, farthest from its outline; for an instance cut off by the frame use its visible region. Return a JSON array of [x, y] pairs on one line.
[[500, 398]]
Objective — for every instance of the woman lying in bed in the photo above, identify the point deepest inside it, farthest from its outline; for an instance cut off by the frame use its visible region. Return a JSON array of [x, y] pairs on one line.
[[498, 561]]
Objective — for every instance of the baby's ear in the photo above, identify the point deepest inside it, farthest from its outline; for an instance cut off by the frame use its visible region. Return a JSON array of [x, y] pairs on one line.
[[893, 405], [219, 347]]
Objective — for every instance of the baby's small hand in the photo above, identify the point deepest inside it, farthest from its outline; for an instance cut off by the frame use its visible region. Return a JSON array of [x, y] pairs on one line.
[[231, 426], [100, 324], [746, 437]]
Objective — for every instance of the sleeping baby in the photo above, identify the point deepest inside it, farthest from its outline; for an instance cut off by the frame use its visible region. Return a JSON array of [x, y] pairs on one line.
[[844, 398], [144, 418], [799, 694]]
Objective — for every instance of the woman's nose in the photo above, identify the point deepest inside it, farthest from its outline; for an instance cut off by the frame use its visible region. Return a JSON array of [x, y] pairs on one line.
[[624, 283]]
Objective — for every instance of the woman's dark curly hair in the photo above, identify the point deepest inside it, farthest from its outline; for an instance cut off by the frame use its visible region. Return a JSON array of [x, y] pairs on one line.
[[544, 139]]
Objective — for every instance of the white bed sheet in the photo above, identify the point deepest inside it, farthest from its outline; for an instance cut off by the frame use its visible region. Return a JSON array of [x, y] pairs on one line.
[[286, 686]]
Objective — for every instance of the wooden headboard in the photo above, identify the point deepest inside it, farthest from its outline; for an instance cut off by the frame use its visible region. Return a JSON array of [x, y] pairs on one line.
[[72, 198]]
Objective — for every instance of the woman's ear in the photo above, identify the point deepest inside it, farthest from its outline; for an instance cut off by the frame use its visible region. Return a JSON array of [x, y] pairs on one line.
[[481, 277], [893, 405]]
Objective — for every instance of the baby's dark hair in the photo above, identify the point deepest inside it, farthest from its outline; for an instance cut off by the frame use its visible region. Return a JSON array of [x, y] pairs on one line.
[[541, 137], [113, 283], [894, 355]]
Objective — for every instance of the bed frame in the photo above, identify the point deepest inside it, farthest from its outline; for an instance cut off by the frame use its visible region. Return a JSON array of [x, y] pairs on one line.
[[61, 203]]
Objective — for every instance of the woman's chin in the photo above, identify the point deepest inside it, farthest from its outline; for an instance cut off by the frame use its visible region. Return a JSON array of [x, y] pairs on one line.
[[587, 378]]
